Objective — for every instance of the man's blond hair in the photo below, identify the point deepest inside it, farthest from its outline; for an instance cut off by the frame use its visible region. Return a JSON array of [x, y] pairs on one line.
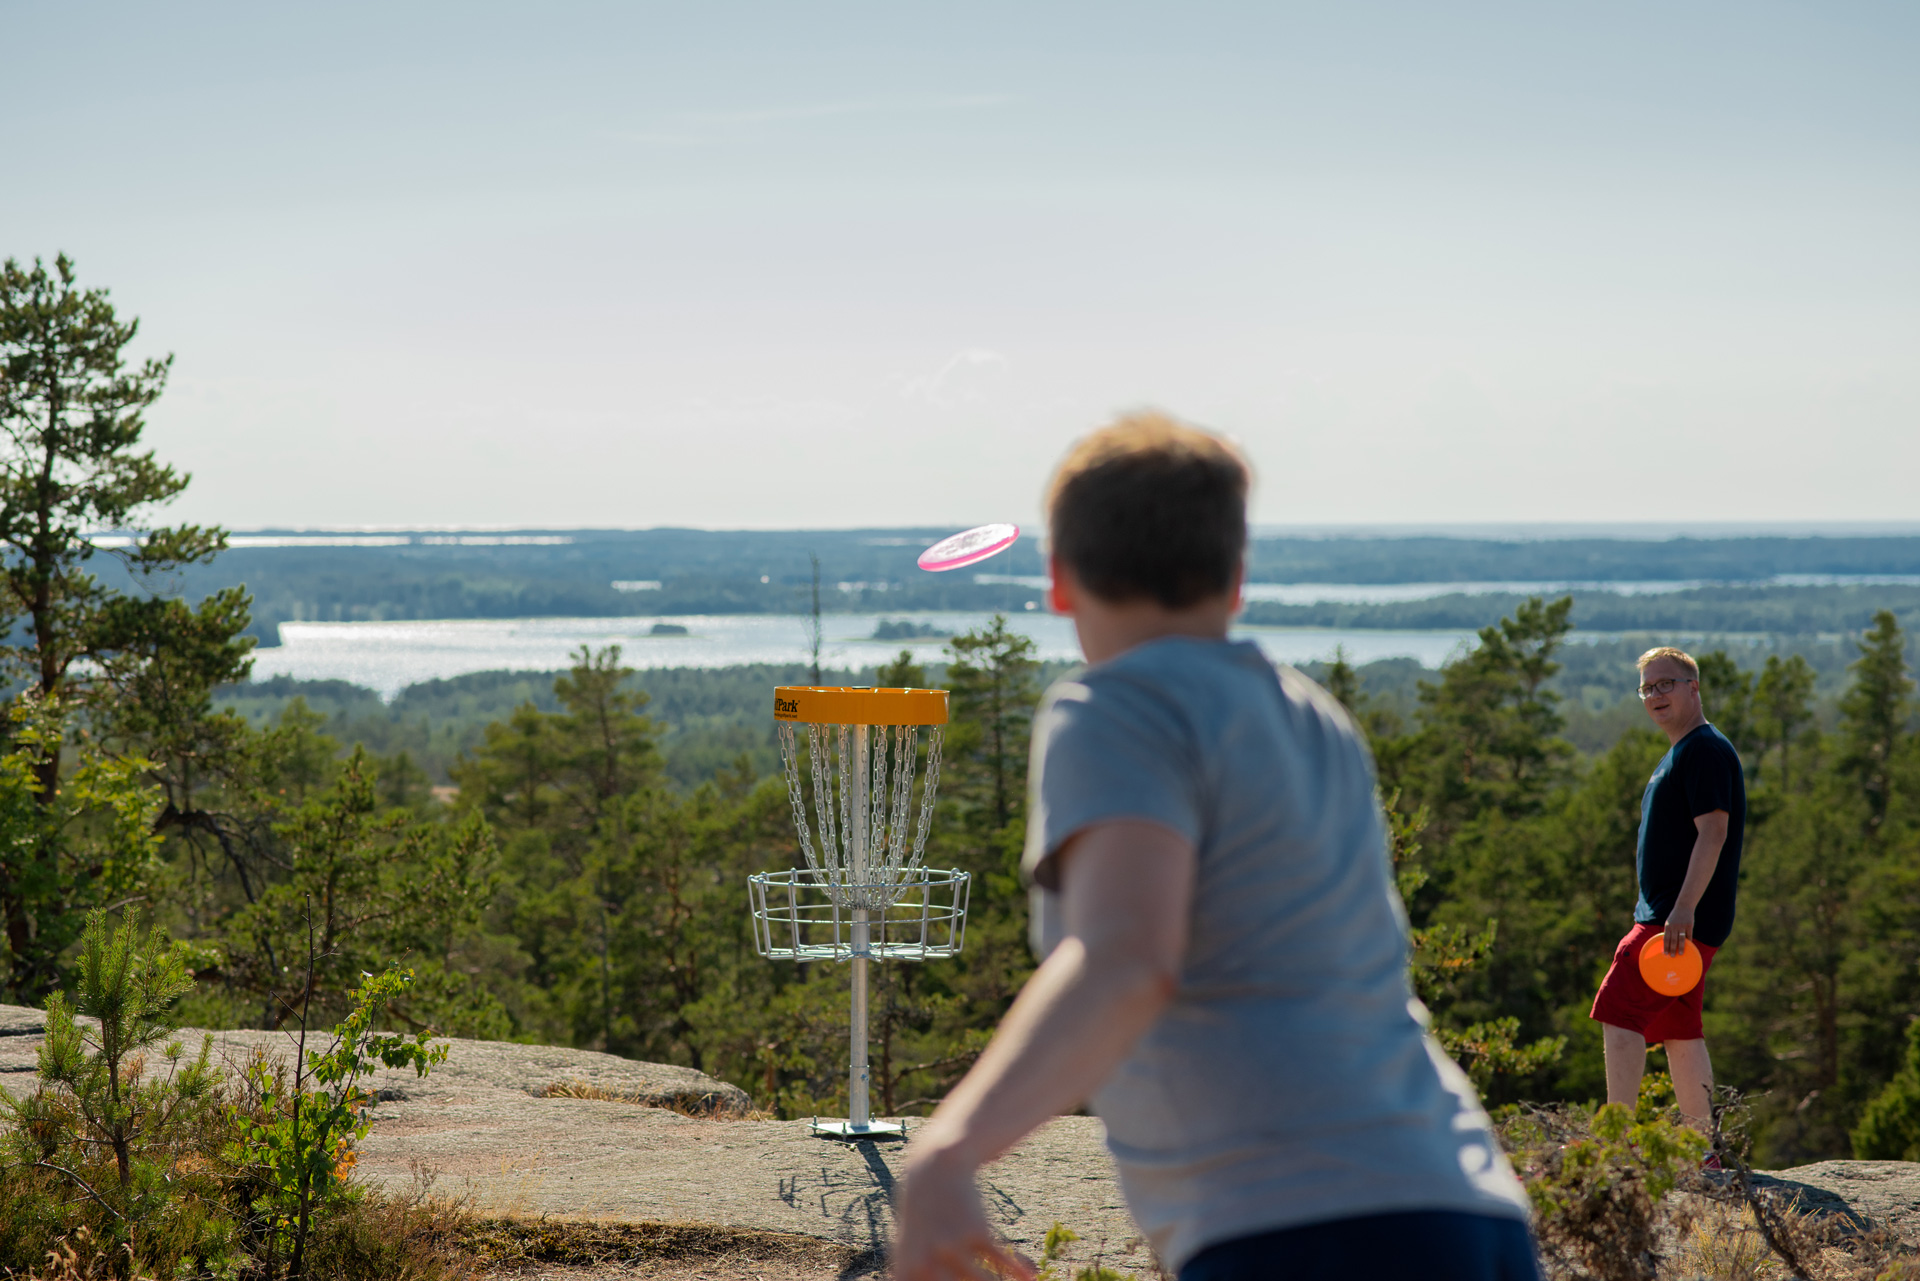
[[1679, 656]]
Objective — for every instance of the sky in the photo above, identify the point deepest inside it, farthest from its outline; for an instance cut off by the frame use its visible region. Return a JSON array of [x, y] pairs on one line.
[[840, 265]]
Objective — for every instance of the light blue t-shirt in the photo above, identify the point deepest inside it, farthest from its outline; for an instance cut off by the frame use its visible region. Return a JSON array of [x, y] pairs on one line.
[[1291, 1080]]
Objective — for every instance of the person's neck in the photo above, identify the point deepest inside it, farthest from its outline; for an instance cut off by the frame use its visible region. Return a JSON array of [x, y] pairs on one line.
[[1108, 629], [1675, 735]]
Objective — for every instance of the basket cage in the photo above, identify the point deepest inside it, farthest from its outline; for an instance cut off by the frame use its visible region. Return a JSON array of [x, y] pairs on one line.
[[805, 915]]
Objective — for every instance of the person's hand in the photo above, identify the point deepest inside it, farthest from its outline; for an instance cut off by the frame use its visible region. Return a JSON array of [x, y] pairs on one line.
[[1679, 930], [940, 1229]]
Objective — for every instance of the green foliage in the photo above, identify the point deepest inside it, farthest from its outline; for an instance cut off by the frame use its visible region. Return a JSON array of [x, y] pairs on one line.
[[1874, 715], [1596, 1196], [1442, 955], [298, 1140], [71, 418], [375, 886], [1889, 1129], [87, 845], [133, 1159], [993, 684], [1488, 742], [1782, 713], [115, 1138], [1726, 694], [1054, 1245]]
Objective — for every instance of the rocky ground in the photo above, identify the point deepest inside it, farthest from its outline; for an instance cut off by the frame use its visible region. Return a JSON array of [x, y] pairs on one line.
[[580, 1187], [792, 1205]]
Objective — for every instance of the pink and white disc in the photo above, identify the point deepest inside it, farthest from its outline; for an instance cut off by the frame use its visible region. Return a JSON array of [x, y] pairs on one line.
[[969, 548]]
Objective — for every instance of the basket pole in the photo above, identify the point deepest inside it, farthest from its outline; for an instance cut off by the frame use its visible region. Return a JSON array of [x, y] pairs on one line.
[[858, 1116]]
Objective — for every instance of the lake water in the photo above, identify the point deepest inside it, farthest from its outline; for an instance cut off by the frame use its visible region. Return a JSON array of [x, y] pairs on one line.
[[387, 657], [1390, 593]]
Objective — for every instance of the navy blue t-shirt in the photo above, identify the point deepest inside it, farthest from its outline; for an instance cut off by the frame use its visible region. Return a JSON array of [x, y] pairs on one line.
[[1698, 775]]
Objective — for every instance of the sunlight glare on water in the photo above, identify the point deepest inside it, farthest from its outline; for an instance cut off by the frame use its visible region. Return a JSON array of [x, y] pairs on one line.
[[389, 656]]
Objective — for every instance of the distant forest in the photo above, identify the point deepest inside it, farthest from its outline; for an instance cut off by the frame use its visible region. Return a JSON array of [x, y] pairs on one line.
[[709, 718], [677, 572]]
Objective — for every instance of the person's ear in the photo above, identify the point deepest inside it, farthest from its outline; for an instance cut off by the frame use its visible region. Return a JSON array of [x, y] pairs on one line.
[[1059, 589]]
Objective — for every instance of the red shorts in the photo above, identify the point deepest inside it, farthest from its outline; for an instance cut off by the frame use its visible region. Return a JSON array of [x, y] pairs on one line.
[[1625, 1000]]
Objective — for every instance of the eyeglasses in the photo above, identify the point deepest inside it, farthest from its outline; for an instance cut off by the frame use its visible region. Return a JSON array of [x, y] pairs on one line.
[[1660, 688]]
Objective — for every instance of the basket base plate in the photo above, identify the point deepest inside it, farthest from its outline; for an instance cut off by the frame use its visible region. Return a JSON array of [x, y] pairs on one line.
[[847, 1130]]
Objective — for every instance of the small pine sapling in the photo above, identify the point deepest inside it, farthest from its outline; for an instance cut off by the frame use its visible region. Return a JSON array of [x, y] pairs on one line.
[[119, 1144]]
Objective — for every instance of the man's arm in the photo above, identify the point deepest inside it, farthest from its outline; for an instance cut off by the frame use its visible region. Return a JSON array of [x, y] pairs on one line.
[[1710, 835], [1126, 888]]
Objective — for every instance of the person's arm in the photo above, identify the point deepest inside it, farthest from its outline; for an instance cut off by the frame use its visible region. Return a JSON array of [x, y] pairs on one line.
[[1126, 887], [1710, 835]]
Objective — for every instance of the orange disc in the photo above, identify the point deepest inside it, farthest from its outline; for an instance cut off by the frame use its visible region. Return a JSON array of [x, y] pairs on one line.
[[1669, 975]]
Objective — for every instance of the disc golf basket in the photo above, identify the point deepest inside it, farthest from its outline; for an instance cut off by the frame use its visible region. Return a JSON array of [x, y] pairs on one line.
[[864, 894]]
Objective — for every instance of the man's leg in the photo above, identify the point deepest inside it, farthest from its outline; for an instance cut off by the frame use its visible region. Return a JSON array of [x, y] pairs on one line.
[[1626, 1063], [1692, 1081]]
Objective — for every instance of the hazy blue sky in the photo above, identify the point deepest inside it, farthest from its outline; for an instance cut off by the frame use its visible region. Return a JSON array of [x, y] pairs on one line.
[[838, 264]]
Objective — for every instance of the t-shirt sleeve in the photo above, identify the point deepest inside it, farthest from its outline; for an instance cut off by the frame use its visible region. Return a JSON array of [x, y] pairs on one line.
[[1106, 750], [1709, 780]]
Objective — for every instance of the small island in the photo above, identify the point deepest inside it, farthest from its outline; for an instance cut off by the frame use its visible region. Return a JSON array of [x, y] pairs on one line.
[[903, 629], [667, 629]]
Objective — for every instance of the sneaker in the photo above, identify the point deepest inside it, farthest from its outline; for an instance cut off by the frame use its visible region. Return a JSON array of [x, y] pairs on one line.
[[1712, 1162]]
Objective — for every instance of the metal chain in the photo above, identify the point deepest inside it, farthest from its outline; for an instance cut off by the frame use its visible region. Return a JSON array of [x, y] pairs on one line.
[[845, 849], [789, 754], [820, 754], [877, 804], [890, 807], [906, 746], [935, 736]]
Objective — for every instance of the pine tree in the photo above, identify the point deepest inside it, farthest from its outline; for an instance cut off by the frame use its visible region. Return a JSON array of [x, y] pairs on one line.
[[70, 469], [74, 484], [1873, 714], [994, 682], [1489, 738], [1783, 708], [1726, 695]]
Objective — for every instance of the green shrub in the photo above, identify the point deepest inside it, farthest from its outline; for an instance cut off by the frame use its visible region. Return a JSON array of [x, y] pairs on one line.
[[1597, 1186], [117, 1139], [131, 1159], [298, 1141], [1889, 1129]]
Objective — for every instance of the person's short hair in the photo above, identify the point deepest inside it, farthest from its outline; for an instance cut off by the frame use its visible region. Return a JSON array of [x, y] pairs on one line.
[[1151, 507], [1679, 656]]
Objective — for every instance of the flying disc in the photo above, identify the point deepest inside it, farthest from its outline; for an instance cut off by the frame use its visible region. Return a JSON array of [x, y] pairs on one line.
[[969, 548], [1669, 975]]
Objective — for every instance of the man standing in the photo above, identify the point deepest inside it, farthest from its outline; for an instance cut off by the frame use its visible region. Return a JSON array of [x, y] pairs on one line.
[[1226, 958], [1691, 820]]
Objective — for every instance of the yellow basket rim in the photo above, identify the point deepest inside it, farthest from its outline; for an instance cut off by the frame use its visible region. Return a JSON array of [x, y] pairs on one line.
[[859, 705]]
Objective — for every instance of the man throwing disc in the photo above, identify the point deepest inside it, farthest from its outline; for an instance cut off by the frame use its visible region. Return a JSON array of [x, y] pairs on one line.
[[1691, 821], [1226, 958]]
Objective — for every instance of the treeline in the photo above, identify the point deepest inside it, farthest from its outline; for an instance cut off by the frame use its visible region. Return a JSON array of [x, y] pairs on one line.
[[705, 718], [696, 572], [1718, 610], [1573, 560], [708, 717], [727, 572]]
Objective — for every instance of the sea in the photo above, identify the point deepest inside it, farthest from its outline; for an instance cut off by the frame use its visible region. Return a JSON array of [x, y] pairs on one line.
[[389, 656]]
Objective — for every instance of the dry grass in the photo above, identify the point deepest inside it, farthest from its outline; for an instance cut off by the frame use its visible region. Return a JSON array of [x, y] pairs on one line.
[[507, 1247], [704, 1106]]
